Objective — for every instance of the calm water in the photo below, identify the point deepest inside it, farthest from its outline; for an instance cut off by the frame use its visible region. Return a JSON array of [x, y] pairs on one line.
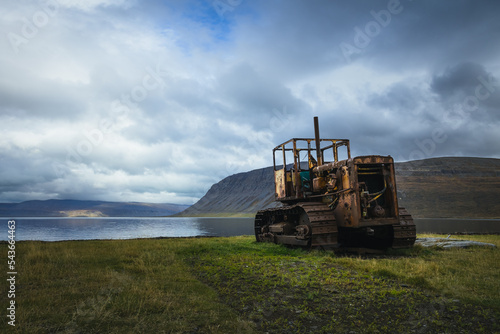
[[55, 229], [452, 225]]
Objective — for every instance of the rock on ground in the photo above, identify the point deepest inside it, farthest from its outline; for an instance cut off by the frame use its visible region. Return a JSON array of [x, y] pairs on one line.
[[450, 243]]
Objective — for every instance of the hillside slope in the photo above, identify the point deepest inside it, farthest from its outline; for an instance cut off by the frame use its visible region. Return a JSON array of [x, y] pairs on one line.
[[450, 187], [236, 195], [439, 188]]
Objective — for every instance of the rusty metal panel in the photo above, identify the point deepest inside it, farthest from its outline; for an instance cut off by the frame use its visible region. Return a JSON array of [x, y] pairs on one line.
[[373, 159], [280, 183], [358, 195]]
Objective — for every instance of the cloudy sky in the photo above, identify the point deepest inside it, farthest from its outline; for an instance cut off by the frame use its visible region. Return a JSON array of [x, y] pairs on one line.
[[154, 101]]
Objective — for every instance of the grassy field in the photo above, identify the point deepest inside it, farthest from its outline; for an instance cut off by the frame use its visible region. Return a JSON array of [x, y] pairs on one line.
[[234, 285]]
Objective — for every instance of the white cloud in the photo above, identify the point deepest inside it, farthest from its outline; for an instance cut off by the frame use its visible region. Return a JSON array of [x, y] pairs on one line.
[[154, 101], [93, 4]]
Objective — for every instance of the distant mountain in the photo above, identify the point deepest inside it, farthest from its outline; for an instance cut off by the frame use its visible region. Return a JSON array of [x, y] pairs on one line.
[[75, 208], [450, 187], [435, 188], [237, 195]]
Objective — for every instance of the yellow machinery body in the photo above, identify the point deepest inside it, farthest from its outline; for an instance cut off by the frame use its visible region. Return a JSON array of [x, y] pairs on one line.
[[331, 202]]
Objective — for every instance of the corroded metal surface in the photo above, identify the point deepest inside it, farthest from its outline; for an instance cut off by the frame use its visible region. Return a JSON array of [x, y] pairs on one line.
[[331, 202], [405, 232], [310, 225]]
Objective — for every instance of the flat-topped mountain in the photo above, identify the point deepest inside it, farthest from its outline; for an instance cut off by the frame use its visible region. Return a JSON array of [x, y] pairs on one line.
[[450, 187], [75, 208]]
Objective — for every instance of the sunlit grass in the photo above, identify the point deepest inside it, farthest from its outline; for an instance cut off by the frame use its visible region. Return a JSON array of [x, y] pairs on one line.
[[235, 285], [128, 286], [284, 289], [471, 274]]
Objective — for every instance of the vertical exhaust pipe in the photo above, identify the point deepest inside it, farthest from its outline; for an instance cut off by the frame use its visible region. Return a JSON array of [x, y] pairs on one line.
[[316, 140]]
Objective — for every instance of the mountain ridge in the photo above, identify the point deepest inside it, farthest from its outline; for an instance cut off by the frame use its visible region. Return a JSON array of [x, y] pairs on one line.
[[445, 187], [81, 208]]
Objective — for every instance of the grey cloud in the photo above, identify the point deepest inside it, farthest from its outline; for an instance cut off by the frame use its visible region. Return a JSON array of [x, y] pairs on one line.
[[438, 33], [469, 89], [400, 98], [233, 88], [459, 79], [245, 88], [301, 38]]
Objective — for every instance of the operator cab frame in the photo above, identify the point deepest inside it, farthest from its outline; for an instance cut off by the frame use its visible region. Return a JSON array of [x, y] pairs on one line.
[[295, 159]]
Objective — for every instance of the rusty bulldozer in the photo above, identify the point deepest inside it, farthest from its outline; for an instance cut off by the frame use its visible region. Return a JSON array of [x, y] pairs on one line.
[[330, 203]]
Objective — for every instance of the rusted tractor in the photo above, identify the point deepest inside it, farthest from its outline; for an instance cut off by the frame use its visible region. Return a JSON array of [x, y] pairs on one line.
[[331, 203]]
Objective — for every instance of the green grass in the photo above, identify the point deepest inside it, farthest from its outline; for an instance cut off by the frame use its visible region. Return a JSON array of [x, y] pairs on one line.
[[471, 274], [128, 286], [234, 285]]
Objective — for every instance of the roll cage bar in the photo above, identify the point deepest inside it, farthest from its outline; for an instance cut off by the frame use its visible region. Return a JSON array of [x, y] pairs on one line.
[[314, 157]]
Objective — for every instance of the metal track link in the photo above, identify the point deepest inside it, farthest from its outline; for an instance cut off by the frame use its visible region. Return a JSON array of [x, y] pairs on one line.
[[258, 223], [405, 232], [320, 218], [323, 225]]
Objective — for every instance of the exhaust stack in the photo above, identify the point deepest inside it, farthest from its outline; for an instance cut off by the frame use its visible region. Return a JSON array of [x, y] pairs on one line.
[[316, 140]]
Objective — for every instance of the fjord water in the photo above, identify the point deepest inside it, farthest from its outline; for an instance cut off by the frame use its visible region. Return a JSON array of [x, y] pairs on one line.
[[457, 225], [57, 229]]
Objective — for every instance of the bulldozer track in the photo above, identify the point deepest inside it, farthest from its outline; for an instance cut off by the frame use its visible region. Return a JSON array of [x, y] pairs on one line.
[[323, 231], [361, 191], [405, 232], [323, 225]]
